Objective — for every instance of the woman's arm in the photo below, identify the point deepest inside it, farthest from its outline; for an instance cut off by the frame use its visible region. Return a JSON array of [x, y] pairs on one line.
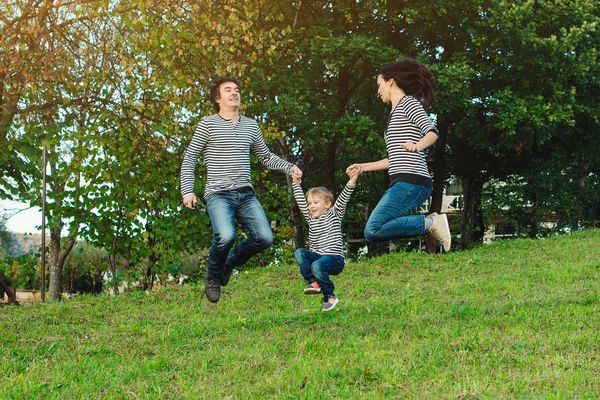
[[422, 144], [371, 166]]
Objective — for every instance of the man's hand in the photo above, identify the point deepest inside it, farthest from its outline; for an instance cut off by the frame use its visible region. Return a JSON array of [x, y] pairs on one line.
[[296, 173], [190, 201]]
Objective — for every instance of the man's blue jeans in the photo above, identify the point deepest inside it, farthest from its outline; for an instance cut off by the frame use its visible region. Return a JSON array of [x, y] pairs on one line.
[[318, 267], [391, 219], [223, 209]]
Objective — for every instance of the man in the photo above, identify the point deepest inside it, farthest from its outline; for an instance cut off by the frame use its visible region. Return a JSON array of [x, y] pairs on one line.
[[225, 140]]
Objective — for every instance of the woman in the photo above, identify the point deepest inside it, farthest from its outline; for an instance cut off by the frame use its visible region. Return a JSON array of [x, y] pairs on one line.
[[408, 85]]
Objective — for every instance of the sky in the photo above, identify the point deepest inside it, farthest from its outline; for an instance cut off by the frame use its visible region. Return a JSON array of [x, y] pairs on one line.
[[21, 221]]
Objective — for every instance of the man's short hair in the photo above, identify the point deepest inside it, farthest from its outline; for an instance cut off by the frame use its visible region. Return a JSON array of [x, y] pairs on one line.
[[216, 84]]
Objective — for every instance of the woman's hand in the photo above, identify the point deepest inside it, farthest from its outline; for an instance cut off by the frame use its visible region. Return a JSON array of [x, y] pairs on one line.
[[354, 169], [411, 147]]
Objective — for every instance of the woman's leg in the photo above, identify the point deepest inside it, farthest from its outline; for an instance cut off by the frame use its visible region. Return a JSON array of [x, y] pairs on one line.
[[391, 219]]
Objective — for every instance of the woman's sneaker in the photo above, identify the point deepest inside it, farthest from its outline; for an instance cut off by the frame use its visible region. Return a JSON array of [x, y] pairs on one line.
[[440, 231], [329, 303], [312, 288]]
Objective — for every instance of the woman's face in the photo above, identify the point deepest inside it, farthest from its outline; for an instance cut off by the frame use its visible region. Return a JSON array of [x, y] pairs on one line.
[[384, 89]]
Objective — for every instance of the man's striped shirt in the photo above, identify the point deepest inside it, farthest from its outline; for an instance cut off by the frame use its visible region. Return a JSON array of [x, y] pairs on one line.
[[325, 232], [408, 122], [225, 149]]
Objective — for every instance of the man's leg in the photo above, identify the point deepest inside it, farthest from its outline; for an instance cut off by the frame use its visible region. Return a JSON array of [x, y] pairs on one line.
[[251, 216], [221, 210]]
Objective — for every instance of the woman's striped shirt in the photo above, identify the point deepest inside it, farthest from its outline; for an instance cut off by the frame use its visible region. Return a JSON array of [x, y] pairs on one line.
[[325, 232], [225, 149], [408, 122]]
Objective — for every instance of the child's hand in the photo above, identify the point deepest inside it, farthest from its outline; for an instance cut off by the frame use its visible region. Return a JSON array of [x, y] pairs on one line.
[[353, 175], [296, 173]]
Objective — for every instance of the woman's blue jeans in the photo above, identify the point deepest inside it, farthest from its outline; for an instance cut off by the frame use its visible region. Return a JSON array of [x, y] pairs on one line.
[[318, 267], [223, 209], [391, 219]]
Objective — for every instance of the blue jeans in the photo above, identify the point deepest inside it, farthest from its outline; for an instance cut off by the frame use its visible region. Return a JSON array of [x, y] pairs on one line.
[[223, 209], [391, 219], [318, 267]]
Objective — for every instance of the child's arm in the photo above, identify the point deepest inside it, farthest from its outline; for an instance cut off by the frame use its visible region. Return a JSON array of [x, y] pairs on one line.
[[344, 197], [300, 199], [353, 174]]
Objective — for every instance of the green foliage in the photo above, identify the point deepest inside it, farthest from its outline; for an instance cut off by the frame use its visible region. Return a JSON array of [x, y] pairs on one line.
[[114, 91], [85, 269], [515, 319], [22, 271], [5, 234]]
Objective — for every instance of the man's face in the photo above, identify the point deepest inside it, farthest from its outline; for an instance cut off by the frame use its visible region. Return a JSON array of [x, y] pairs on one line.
[[384, 89], [229, 95]]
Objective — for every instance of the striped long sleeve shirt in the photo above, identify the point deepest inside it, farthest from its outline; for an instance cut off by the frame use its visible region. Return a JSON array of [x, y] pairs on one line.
[[408, 122], [225, 149], [325, 232]]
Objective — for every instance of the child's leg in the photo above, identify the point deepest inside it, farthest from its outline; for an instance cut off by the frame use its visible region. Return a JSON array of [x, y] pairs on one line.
[[305, 258], [325, 266]]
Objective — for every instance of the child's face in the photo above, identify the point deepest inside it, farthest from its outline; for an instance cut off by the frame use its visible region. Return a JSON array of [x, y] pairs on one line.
[[317, 205]]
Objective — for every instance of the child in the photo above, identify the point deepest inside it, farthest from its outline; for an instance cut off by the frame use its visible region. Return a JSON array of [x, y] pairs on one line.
[[326, 254]]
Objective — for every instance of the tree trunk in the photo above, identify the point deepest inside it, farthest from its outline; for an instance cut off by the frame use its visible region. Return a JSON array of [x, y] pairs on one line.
[[329, 167], [149, 276], [57, 261], [472, 227], [112, 253], [294, 210], [11, 293], [55, 269], [439, 175], [578, 217]]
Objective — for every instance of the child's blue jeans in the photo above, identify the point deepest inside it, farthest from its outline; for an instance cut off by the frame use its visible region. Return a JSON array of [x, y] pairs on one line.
[[318, 267]]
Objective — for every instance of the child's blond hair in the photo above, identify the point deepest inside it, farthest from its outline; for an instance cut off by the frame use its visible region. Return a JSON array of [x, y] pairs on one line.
[[321, 191]]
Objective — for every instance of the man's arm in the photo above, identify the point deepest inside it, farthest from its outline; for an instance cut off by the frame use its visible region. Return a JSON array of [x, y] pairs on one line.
[[271, 160], [188, 164]]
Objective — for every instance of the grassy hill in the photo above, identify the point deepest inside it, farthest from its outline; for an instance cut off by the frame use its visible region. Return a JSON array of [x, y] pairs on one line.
[[514, 319]]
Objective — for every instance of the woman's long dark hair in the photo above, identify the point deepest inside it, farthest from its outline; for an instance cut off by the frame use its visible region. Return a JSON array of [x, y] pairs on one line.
[[413, 77]]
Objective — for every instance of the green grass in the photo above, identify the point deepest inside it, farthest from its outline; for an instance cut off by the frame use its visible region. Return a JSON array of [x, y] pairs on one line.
[[514, 319]]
